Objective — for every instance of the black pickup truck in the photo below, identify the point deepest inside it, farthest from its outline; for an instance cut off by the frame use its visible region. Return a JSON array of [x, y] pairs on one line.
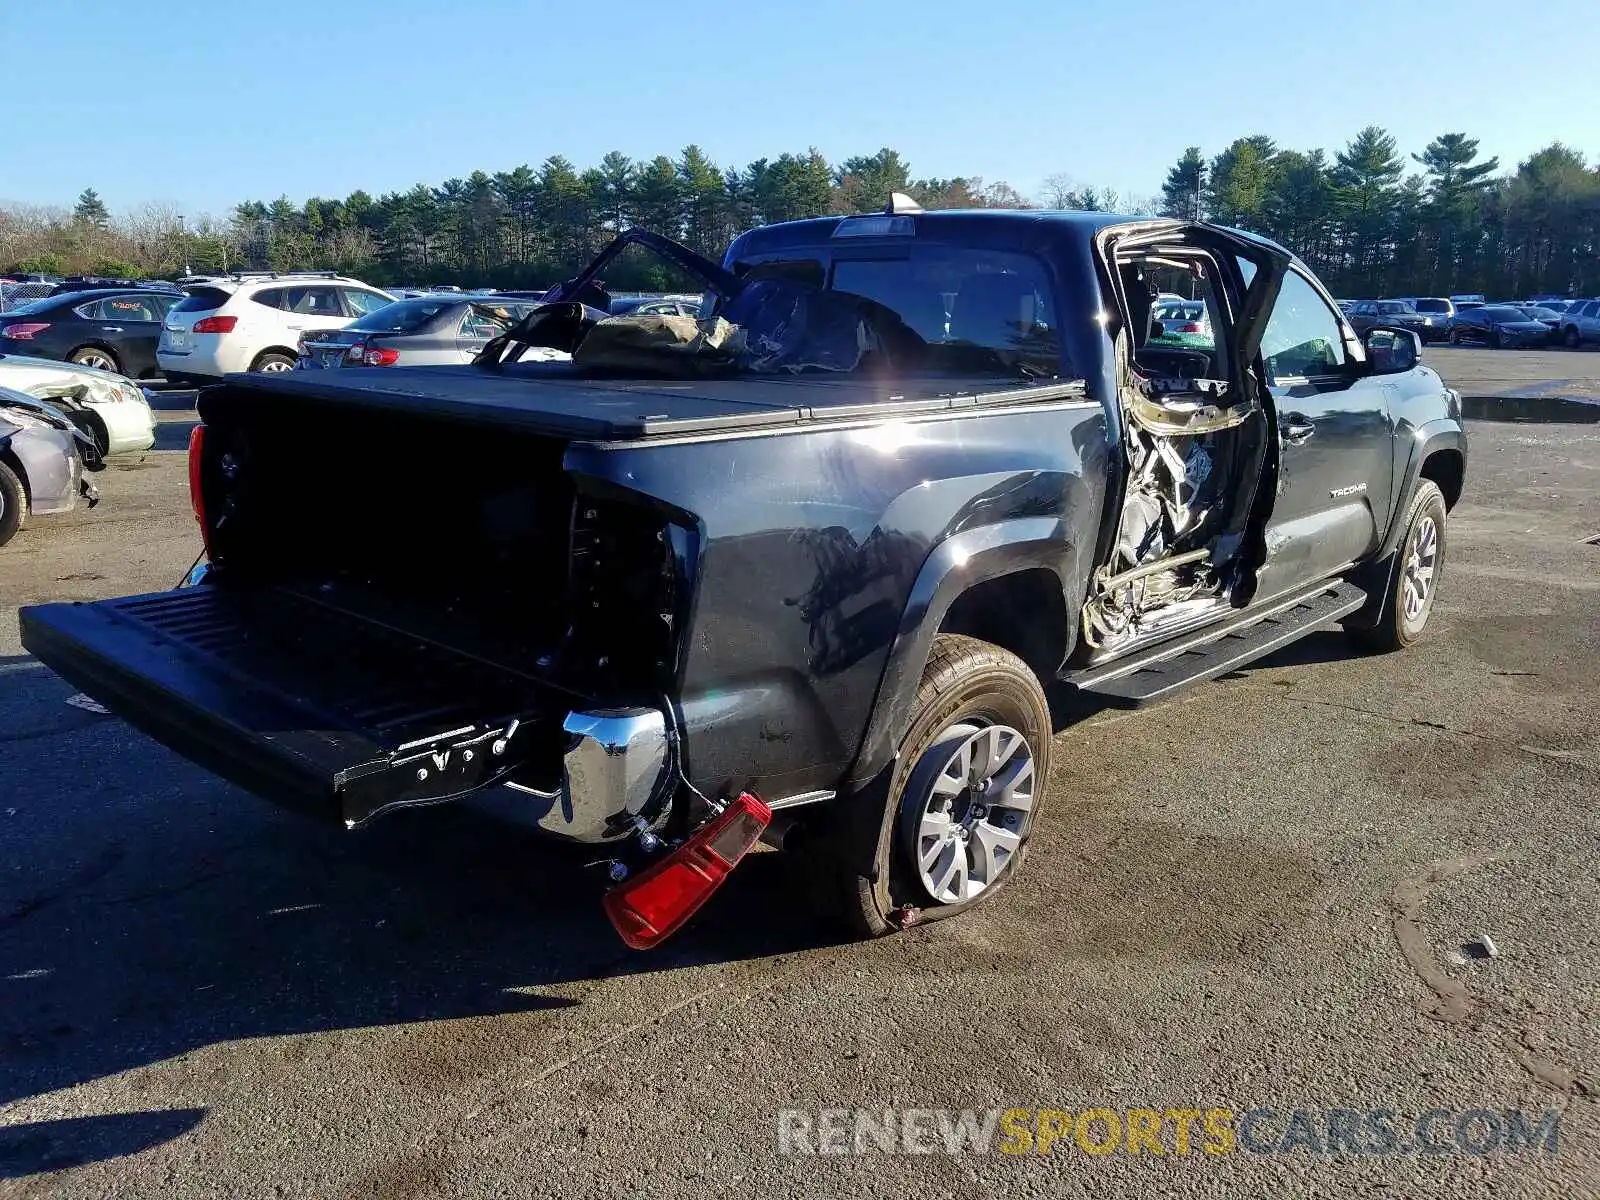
[[812, 573]]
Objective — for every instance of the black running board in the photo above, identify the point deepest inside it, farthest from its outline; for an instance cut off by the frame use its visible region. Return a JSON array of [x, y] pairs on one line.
[[1163, 669]]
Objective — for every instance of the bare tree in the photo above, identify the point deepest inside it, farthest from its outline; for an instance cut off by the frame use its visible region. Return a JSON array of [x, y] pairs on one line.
[[1058, 191]]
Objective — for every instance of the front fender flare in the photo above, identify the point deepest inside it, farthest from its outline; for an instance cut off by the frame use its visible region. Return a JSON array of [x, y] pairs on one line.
[[956, 564], [1441, 433]]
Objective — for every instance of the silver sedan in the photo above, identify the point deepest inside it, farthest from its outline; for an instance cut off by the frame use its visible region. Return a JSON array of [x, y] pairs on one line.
[[424, 331]]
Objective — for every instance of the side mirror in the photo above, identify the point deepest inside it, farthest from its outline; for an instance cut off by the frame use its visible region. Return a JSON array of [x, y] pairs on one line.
[[1392, 351]]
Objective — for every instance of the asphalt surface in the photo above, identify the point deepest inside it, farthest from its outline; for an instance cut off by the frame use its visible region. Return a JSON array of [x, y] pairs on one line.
[[1257, 895]]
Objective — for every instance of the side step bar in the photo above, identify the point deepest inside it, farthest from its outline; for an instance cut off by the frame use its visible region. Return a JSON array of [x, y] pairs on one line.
[[1163, 669]]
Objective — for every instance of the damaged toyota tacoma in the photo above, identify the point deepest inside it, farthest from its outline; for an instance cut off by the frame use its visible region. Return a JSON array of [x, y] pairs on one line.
[[802, 569]]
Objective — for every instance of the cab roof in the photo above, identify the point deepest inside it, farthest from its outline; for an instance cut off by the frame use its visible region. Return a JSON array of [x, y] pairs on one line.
[[1039, 230]]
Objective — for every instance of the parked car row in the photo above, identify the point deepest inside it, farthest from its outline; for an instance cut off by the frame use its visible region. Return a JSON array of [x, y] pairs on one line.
[[203, 327], [71, 351], [1464, 320]]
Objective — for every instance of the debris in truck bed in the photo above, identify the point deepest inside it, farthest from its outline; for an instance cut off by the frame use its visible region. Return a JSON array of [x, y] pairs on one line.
[[656, 342]]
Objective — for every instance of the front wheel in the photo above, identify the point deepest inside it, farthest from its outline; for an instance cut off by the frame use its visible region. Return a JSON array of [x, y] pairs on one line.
[[1572, 338], [13, 504], [1496, 340], [947, 826], [1453, 337], [1413, 580]]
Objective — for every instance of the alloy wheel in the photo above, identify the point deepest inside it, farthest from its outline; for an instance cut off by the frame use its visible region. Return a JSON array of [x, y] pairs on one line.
[[95, 359], [967, 808], [1416, 587]]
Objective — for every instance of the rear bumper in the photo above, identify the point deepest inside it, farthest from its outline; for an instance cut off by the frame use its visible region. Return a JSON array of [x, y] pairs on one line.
[[210, 354], [350, 743]]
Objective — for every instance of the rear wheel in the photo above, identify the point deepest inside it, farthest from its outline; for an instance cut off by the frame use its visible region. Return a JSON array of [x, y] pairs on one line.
[[1454, 337], [273, 362], [1413, 579], [947, 825], [94, 356], [13, 504]]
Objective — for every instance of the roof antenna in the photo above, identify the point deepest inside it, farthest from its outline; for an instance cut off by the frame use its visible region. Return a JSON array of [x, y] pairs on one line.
[[900, 205]]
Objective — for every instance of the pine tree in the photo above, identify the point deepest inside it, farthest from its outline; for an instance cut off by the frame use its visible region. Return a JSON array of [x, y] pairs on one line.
[[1182, 190], [91, 210]]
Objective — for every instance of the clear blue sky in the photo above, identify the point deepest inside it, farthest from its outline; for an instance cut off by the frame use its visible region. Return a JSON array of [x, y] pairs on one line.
[[202, 105]]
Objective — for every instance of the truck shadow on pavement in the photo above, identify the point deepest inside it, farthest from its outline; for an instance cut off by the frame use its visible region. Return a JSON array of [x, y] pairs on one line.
[[148, 910], [74, 1141]]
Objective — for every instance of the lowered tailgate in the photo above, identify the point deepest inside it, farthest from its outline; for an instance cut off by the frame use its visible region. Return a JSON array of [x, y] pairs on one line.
[[301, 703]]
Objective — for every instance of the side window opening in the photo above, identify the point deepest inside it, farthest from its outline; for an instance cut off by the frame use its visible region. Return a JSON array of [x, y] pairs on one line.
[[1303, 338], [1178, 320]]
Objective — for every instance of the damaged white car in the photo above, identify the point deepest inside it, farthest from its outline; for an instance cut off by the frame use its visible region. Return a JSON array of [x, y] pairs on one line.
[[110, 408]]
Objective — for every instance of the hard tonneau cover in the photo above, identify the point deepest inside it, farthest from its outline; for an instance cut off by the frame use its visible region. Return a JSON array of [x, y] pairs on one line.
[[562, 400]]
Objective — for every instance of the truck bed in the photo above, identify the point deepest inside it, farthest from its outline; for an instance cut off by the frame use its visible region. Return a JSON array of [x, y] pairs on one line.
[[563, 400]]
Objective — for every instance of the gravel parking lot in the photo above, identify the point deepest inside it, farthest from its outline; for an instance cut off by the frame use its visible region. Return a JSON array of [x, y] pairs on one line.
[[1266, 893]]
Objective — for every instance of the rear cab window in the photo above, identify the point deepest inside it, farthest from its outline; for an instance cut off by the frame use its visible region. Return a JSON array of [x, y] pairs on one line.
[[974, 310]]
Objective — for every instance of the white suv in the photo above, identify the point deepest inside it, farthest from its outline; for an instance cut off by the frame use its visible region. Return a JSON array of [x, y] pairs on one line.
[[254, 322]]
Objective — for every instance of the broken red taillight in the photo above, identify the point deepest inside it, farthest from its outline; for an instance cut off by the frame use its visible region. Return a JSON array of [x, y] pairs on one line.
[[656, 903], [377, 356]]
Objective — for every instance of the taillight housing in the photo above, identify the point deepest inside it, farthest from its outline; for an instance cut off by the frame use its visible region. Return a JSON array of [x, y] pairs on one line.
[[655, 904], [1191, 327], [379, 356], [215, 324], [24, 331], [197, 495]]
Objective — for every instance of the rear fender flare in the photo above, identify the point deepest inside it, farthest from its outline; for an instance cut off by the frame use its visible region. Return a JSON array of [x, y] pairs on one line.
[[956, 564]]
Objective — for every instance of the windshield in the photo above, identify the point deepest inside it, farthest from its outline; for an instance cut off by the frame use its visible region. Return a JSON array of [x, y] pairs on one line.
[[1540, 313], [1431, 306], [1499, 312]]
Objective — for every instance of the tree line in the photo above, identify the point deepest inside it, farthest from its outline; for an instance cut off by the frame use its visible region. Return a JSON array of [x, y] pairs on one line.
[[1372, 223], [1367, 219]]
